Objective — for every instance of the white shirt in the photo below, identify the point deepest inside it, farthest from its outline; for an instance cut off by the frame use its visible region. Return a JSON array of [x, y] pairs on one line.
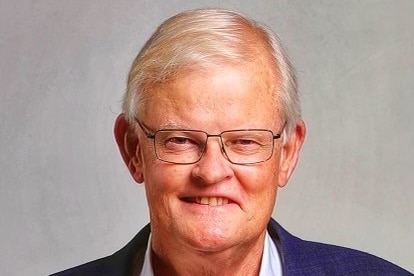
[[269, 266]]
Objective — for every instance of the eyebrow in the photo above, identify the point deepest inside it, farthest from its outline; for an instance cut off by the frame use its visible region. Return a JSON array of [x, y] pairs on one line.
[[173, 125], [168, 125]]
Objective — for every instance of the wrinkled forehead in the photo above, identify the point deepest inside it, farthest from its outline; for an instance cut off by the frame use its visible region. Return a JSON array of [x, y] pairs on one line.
[[259, 72]]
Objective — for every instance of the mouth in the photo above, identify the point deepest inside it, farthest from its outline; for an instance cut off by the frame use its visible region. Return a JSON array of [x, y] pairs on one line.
[[210, 201]]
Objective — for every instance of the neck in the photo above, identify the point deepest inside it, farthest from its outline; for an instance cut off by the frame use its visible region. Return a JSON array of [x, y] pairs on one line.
[[173, 259]]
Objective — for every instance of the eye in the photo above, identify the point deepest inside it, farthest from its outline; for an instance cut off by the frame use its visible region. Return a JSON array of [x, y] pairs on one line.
[[178, 141], [244, 142], [243, 145]]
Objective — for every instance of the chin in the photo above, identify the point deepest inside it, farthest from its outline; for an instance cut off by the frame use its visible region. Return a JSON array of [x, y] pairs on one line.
[[212, 239]]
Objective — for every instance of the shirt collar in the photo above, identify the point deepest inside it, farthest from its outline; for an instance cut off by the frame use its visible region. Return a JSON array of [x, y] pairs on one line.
[[271, 264]]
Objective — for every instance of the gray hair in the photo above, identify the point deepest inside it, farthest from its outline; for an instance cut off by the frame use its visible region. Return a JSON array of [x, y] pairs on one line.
[[193, 39]]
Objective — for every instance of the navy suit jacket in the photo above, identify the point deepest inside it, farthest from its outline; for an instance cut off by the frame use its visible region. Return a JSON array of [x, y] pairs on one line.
[[299, 258]]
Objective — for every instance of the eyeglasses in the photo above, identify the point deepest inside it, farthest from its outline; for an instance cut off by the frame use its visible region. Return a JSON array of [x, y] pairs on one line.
[[183, 146]]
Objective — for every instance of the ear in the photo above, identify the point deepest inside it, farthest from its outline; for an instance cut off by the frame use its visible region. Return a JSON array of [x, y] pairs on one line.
[[128, 145], [290, 152]]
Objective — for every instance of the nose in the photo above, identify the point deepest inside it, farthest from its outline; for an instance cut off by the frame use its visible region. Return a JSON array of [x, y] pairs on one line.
[[213, 166]]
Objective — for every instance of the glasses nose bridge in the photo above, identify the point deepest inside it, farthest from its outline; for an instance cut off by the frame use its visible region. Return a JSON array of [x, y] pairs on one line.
[[220, 138], [214, 135]]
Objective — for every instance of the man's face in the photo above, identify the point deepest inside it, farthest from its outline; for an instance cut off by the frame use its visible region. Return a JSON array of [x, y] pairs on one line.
[[240, 197]]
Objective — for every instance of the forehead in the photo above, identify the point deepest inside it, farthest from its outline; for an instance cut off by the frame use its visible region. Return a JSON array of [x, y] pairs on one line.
[[241, 94]]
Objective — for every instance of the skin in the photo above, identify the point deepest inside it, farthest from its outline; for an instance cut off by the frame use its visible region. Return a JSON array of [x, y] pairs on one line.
[[189, 238]]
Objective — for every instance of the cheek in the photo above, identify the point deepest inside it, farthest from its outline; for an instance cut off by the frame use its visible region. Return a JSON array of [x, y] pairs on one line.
[[261, 176], [260, 184], [163, 183], [162, 179], [259, 193]]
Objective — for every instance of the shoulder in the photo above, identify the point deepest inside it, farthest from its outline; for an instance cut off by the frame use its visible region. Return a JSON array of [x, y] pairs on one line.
[[103, 266], [335, 260], [302, 257], [120, 263]]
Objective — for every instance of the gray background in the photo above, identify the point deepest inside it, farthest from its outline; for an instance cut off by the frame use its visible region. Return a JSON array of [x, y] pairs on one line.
[[65, 195]]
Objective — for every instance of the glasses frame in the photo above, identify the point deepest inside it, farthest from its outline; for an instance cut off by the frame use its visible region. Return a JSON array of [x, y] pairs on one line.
[[151, 135]]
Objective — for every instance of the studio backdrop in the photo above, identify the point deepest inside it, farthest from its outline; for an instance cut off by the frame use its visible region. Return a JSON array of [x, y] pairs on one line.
[[66, 196]]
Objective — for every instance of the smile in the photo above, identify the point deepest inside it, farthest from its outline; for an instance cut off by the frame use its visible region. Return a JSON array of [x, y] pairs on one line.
[[211, 201]]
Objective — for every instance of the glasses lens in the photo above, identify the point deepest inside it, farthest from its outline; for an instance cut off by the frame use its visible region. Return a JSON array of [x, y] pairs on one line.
[[248, 146], [181, 147]]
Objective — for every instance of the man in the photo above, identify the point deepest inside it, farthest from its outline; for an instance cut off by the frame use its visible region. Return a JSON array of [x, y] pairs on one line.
[[211, 126]]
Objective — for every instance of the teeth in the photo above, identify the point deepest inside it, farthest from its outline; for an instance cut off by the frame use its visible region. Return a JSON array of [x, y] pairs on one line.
[[204, 200], [212, 201]]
